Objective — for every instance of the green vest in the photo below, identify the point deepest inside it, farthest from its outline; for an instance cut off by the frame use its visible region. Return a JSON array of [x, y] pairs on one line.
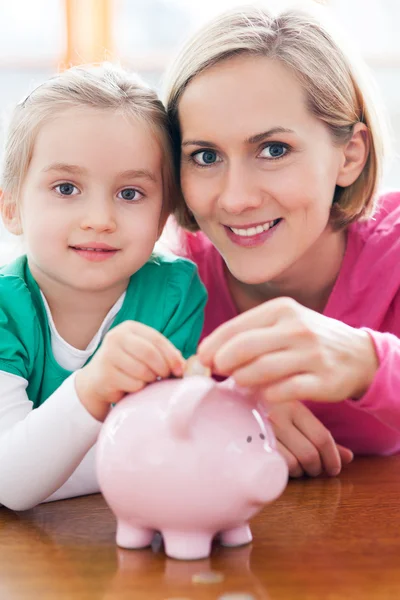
[[166, 294]]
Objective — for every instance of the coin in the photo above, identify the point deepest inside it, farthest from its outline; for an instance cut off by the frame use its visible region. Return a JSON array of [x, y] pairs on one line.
[[208, 577], [236, 597], [194, 367]]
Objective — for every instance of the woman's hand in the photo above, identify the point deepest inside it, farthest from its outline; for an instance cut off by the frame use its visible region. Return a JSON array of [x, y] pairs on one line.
[[307, 446], [294, 353], [131, 356]]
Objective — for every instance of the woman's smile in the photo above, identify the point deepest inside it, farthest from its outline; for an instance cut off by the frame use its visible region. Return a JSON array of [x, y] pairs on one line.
[[249, 236]]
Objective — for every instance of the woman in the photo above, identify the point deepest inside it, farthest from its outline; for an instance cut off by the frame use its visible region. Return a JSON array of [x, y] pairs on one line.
[[280, 152]]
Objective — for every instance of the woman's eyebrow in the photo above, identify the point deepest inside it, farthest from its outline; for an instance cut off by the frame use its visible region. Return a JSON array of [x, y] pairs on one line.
[[254, 139], [199, 143], [258, 137]]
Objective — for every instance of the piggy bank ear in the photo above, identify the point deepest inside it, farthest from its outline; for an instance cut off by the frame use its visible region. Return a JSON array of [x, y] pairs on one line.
[[189, 394]]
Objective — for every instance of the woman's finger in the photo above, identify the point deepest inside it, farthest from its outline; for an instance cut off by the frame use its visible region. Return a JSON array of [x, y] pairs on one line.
[[269, 369], [304, 386], [296, 442], [319, 437], [265, 315], [304, 451], [247, 346], [346, 455], [295, 468]]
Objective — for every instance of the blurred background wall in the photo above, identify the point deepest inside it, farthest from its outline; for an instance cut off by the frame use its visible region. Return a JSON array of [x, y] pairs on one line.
[[38, 37]]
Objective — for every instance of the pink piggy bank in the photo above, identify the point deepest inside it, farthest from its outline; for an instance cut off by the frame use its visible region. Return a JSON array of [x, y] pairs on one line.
[[190, 458]]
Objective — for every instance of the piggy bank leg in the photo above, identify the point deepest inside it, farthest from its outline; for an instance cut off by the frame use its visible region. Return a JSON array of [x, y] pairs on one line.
[[130, 536], [236, 537], [187, 545]]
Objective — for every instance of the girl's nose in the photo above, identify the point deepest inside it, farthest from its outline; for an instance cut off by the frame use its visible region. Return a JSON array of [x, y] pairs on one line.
[[99, 215]]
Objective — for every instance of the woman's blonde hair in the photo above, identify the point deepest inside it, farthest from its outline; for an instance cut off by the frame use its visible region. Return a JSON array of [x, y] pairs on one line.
[[104, 87], [339, 91]]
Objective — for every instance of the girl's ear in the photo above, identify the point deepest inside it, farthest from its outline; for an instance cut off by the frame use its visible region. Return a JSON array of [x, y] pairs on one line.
[[10, 213], [355, 155]]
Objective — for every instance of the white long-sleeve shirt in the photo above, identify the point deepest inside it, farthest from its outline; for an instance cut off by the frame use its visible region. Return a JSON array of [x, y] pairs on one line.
[[49, 453]]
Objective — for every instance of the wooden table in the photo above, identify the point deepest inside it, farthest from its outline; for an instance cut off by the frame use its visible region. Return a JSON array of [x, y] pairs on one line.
[[323, 539]]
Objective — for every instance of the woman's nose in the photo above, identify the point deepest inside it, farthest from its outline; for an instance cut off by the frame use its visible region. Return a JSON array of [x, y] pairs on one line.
[[239, 192]]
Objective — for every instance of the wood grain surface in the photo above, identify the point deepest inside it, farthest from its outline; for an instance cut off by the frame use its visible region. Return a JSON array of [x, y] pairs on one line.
[[323, 539]]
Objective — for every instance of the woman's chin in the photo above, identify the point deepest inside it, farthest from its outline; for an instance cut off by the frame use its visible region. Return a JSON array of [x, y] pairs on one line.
[[250, 274]]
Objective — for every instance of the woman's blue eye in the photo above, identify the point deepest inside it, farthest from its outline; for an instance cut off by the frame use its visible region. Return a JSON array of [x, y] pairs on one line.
[[65, 189], [205, 157], [129, 194], [274, 151]]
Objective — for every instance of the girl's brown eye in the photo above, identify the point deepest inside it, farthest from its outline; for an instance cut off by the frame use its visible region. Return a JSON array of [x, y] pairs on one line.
[[249, 439], [262, 436]]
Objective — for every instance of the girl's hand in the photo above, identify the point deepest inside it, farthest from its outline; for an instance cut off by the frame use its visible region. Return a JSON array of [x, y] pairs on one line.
[[307, 446], [294, 353], [131, 355]]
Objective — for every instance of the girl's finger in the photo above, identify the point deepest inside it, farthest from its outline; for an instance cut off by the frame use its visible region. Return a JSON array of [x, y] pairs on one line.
[[145, 351], [169, 352], [134, 368], [126, 383]]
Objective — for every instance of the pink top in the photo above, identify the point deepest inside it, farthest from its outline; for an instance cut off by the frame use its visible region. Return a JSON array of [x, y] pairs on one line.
[[366, 295]]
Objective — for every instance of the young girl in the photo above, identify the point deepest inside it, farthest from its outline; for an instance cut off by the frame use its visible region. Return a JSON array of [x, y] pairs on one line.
[[280, 150], [90, 313]]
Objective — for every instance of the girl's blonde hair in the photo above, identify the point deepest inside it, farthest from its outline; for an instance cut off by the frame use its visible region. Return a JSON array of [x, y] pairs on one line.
[[104, 87], [338, 90]]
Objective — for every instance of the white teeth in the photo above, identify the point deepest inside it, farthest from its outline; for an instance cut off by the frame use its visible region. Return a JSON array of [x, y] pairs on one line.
[[253, 230], [93, 249]]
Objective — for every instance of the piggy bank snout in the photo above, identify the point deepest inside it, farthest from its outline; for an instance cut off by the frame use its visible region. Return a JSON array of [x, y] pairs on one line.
[[269, 479]]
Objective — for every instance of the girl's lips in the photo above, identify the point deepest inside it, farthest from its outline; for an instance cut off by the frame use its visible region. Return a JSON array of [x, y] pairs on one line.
[[252, 240], [95, 253]]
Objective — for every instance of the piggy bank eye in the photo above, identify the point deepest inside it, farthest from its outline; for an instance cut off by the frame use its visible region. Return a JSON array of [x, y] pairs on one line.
[[249, 439], [262, 436]]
